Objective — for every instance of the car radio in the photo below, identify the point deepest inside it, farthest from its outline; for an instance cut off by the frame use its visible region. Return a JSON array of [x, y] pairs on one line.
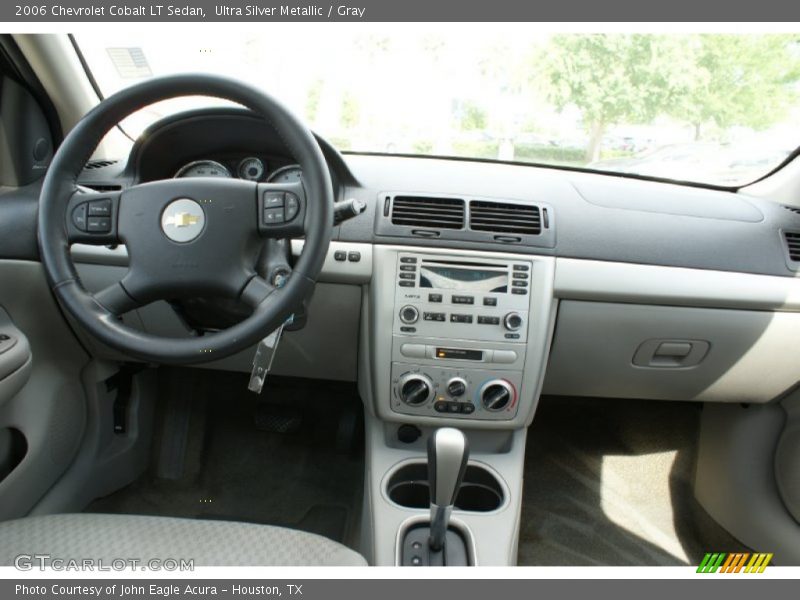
[[459, 333]]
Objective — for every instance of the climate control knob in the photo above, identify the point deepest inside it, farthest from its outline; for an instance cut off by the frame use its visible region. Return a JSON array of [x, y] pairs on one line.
[[456, 387], [512, 321], [496, 395], [414, 389], [409, 314]]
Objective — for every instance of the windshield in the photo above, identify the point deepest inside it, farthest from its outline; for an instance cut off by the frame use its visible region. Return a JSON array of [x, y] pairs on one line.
[[717, 109]]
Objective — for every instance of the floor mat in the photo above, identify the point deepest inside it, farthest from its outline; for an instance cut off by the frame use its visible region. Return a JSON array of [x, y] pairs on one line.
[[233, 465], [609, 482]]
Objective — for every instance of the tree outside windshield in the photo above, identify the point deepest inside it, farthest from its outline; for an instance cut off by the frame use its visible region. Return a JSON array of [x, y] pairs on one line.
[[719, 109]]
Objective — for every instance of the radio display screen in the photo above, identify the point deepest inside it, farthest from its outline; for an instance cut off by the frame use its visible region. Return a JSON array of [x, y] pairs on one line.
[[467, 280]]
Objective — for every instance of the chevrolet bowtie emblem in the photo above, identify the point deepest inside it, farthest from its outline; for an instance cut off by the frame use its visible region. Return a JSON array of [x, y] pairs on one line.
[[182, 219]]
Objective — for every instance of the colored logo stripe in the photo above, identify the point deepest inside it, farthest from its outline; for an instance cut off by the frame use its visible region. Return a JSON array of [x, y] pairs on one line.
[[734, 562]]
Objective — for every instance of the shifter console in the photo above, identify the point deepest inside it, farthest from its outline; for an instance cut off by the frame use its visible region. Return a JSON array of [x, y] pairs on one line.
[[459, 335]]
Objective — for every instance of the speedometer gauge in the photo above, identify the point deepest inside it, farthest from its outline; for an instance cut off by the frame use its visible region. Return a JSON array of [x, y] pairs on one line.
[[251, 168], [203, 168], [289, 174]]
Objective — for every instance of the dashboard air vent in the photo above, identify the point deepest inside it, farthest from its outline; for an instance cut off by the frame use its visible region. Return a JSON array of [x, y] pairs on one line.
[[792, 239], [794, 209], [99, 164], [427, 211], [504, 217]]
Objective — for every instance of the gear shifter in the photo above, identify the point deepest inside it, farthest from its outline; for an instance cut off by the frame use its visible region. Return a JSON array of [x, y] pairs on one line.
[[448, 452]]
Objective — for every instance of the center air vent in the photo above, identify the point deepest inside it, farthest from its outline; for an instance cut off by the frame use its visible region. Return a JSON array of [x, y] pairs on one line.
[[426, 211], [504, 217], [792, 239]]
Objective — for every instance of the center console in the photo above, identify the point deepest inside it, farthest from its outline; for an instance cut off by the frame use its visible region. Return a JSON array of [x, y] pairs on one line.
[[451, 338], [477, 311]]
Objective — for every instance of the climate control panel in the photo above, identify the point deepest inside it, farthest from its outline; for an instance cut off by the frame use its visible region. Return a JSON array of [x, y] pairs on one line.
[[454, 392]]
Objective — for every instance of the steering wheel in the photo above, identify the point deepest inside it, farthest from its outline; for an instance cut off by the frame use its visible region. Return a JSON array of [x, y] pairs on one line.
[[185, 237]]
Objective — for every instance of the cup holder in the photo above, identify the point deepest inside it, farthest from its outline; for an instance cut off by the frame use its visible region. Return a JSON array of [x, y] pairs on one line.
[[480, 490]]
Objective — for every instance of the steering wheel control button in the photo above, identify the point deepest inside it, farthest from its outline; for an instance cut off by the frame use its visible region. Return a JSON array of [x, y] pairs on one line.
[[100, 208], [98, 225], [79, 214], [273, 216], [292, 206], [273, 199], [183, 220]]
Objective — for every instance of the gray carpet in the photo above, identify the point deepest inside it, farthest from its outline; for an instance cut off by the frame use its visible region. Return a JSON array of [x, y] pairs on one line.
[[608, 482], [235, 465]]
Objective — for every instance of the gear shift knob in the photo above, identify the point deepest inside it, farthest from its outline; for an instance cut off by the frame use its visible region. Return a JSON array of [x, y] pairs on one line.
[[448, 452]]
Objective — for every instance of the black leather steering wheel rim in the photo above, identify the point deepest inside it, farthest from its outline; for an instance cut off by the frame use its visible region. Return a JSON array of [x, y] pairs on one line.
[[271, 305]]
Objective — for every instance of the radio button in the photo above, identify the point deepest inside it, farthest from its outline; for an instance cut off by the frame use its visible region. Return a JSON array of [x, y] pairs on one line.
[[408, 268], [519, 275], [409, 314], [490, 301], [522, 268], [433, 316], [408, 259], [515, 283], [406, 283], [519, 291], [434, 297], [463, 300], [505, 357], [511, 336], [461, 318], [413, 350], [411, 276], [410, 330], [483, 320]]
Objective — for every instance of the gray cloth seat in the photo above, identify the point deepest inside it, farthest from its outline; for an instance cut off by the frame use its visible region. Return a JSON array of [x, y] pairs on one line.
[[208, 543]]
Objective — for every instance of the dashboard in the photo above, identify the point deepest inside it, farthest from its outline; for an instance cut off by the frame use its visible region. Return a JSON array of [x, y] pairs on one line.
[[490, 283]]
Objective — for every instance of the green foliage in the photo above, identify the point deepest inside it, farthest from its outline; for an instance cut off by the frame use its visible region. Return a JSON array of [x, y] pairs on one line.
[[549, 154], [476, 149], [473, 117], [745, 80], [728, 80], [351, 112], [618, 78]]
